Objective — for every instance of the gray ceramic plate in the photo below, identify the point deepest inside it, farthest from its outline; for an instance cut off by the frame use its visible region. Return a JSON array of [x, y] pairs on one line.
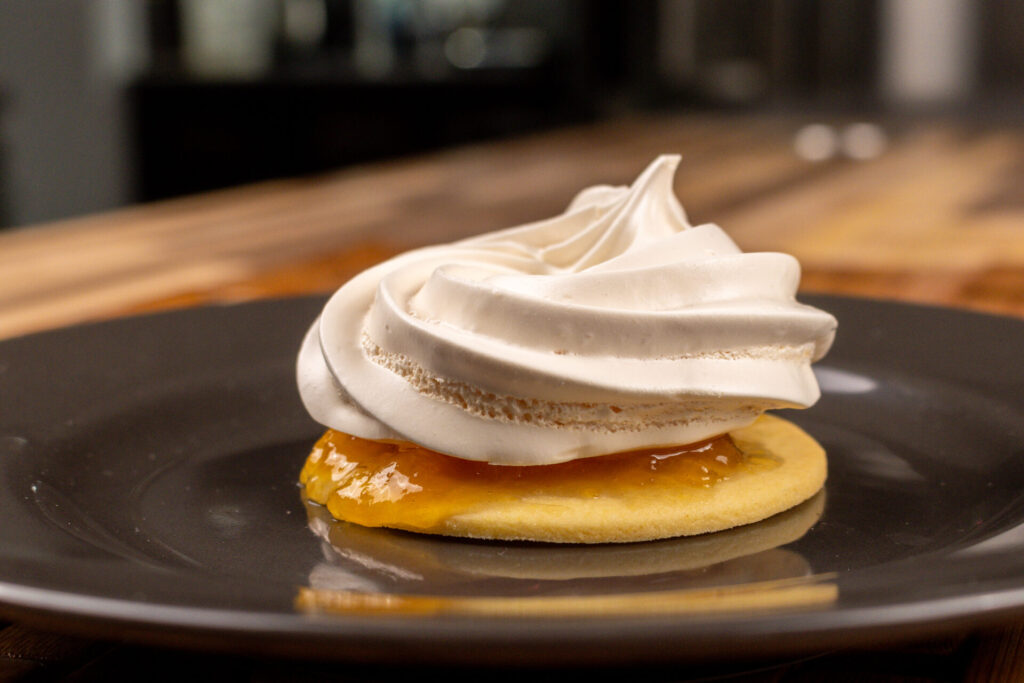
[[147, 491]]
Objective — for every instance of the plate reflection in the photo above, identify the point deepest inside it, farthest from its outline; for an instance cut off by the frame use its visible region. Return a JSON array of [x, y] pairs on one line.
[[373, 570]]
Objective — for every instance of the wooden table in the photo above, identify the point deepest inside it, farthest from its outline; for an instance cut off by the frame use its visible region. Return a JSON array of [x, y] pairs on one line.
[[937, 218]]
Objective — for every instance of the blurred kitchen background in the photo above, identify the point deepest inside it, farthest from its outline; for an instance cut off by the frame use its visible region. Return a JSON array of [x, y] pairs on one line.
[[110, 102]]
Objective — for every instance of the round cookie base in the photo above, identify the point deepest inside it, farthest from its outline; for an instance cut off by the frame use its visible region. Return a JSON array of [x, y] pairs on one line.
[[791, 468]]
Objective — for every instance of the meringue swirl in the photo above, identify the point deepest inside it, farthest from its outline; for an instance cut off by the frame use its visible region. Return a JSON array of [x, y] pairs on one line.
[[614, 326]]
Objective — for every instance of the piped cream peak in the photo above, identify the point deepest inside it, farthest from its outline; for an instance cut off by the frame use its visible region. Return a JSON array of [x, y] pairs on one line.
[[613, 326]]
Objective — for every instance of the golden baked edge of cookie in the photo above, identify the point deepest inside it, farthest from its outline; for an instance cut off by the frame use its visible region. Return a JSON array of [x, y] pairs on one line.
[[797, 470]]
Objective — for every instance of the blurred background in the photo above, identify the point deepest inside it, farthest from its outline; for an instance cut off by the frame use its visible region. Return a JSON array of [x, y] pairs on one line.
[[110, 102]]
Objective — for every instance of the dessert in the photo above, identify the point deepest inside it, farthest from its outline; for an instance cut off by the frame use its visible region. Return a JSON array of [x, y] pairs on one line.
[[600, 376]]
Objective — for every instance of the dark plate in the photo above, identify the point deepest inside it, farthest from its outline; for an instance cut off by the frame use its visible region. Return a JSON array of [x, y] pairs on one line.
[[147, 491]]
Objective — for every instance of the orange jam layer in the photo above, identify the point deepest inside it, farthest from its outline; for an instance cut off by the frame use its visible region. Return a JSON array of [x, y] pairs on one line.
[[402, 485]]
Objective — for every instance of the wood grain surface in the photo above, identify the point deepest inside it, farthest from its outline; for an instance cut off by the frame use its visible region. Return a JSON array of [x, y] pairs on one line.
[[937, 218]]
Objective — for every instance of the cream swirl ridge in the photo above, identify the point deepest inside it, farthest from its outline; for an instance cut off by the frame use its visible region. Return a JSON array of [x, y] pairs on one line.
[[613, 326]]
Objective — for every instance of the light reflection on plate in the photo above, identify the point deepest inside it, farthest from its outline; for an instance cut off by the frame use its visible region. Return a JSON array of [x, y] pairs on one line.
[[380, 570]]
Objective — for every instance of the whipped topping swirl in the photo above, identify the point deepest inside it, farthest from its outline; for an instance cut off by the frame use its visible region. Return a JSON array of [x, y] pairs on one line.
[[614, 326]]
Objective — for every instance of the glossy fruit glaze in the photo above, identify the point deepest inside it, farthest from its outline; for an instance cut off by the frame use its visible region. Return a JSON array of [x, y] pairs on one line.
[[402, 485]]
